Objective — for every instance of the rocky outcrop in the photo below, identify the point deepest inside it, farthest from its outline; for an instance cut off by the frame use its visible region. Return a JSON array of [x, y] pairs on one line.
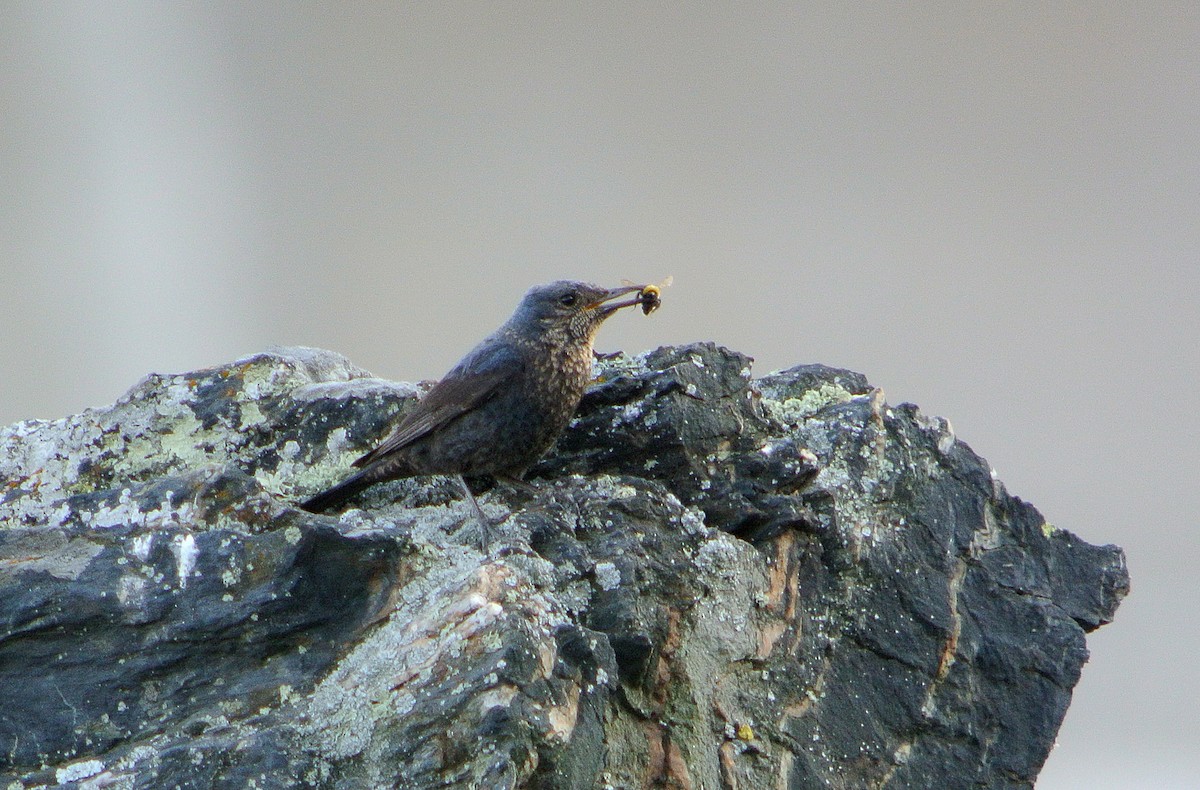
[[715, 582]]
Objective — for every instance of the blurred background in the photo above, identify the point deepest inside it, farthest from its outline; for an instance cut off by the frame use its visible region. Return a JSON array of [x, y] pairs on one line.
[[991, 209]]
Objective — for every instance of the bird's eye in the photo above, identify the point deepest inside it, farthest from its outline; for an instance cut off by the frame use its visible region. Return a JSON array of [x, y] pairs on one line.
[[567, 300]]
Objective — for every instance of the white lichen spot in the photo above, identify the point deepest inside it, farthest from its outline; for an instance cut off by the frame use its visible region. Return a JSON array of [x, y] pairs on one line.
[[251, 414], [231, 576], [58, 516], [833, 478], [109, 517], [608, 576], [140, 546], [692, 522], [292, 535], [624, 492], [720, 556], [131, 591], [945, 442], [338, 442], [77, 771], [185, 551]]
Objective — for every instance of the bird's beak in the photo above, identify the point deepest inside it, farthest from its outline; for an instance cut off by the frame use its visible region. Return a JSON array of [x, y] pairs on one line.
[[607, 307]]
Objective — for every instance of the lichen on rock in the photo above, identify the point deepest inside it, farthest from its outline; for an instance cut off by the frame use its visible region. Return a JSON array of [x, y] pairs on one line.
[[716, 581]]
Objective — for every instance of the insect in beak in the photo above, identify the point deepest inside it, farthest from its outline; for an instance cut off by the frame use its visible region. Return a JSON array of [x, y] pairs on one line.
[[650, 296]]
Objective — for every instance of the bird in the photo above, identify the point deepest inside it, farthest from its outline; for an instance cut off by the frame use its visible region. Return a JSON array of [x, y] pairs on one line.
[[503, 405]]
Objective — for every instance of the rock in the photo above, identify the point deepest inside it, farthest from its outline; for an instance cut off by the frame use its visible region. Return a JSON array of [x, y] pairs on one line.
[[717, 581]]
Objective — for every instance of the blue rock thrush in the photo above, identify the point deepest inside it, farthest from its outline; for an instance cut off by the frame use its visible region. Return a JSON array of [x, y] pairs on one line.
[[504, 403]]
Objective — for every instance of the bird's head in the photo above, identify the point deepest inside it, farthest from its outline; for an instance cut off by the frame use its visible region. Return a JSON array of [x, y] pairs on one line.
[[567, 311]]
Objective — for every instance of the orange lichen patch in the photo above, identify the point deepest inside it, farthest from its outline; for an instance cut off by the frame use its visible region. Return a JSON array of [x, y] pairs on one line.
[[797, 709], [781, 578], [662, 673], [562, 718], [656, 759], [20, 560], [782, 594], [768, 637], [666, 767], [950, 648], [726, 754]]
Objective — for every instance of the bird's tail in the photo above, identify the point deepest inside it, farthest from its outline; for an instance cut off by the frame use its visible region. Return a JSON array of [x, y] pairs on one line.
[[340, 493]]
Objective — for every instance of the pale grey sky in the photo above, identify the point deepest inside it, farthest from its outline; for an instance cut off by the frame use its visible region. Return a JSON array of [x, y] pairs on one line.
[[991, 209]]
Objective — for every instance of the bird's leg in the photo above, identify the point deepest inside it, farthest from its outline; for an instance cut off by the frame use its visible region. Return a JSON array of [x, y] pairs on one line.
[[485, 537]]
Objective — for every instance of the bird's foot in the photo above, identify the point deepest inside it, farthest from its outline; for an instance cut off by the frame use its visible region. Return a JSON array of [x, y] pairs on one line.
[[489, 545], [485, 532], [518, 484], [485, 523]]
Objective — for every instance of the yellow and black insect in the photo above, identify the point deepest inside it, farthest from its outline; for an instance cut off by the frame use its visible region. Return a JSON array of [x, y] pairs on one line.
[[651, 295]]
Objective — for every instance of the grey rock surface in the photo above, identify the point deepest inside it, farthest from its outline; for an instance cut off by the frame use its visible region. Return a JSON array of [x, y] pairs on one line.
[[716, 582]]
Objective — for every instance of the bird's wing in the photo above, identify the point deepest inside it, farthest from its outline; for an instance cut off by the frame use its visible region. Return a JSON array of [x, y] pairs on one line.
[[471, 382]]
